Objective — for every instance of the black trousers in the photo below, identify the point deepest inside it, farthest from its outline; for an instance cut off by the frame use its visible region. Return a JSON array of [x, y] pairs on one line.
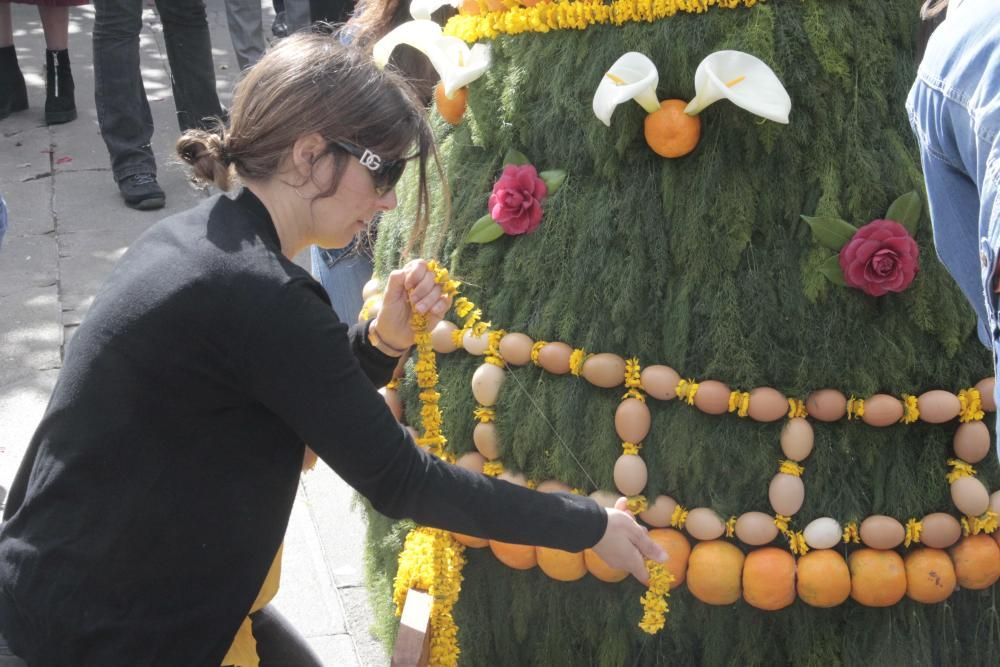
[[278, 643], [331, 11]]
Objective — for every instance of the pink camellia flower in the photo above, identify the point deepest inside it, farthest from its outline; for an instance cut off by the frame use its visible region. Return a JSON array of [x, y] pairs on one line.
[[516, 202], [882, 257]]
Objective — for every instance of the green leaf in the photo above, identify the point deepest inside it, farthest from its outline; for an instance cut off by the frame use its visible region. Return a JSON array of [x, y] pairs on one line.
[[554, 179], [515, 157], [832, 233], [906, 211], [831, 269], [484, 230]]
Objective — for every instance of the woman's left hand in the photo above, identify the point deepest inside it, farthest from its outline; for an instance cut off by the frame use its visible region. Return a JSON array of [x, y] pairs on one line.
[[408, 288]]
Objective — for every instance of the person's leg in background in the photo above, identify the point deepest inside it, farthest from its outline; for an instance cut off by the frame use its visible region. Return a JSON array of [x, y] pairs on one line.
[[15, 97], [279, 27], [60, 101], [279, 644], [189, 50], [246, 29], [122, 108], [296, 15], [331, 11]]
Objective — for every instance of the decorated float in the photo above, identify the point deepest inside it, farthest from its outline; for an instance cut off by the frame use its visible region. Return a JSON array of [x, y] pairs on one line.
[[692, 267]]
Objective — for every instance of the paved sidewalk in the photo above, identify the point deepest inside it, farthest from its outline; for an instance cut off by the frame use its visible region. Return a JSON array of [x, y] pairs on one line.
[[67, 228]]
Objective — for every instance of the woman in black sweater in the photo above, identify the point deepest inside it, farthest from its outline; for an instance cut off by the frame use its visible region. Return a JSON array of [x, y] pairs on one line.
[[156, 491]]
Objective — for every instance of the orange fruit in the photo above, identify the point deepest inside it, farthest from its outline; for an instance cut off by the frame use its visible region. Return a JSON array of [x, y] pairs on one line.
[[561, 565], [878, 578], [714, 570], [930, 576], [769, 578], [451, 108], [977, 562], [470, 541], [517, 556], [597, 567], [469, 8], [679, 550], [823, 579], [670, 132]]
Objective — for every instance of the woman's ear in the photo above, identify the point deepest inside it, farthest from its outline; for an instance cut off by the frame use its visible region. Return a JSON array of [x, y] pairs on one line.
[[306, 150]]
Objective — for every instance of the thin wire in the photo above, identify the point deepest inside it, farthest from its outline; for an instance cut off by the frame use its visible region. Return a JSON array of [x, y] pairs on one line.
[[551, 427]]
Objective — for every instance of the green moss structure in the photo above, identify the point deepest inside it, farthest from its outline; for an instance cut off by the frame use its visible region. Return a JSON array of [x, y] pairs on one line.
[[702, 263]]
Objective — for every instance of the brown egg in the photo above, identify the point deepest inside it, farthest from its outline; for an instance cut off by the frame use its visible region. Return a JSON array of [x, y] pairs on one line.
[[476, 345], [937, 406], [756, 528], [660, 512], [370, 289], [515, 348], [882, 410], [485, 438], [630, 474], [660, 382], [632, 420], [786, 493], [882, 532], [972, 441], [441, 339], [604, 370], [554, 357], [394, 402], [712, 397], [552, 486], [826, 405], [797, 439], [486, 383], [995, 501], [704, 524], [471, 461], [767, 405], [605, 498], [970, 496], [985, 387], [515, 478], [940, 530]]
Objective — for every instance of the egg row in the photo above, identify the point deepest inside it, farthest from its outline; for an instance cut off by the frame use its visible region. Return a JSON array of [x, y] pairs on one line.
[[607, 370]]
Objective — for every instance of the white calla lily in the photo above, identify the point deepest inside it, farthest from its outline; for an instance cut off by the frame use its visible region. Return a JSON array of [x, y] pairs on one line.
[[744, 80], [632, 77], [422, 9], [455, 62]]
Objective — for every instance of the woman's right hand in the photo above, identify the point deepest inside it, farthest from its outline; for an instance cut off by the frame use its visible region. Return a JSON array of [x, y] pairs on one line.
[[626, 544]]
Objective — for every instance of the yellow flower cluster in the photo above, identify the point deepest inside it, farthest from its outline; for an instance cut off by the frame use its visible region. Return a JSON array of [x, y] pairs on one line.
[[536, 349], [959, 469], [484, 415], [575, 15], [686, 390], [911, 412], [432, 561], [972, 405], [637, 504], [576, 360], [790, 468], [493, 355], [739, 402], [973, 525], [796, 540], [679, 517], [913, 530], [493, 468], [855, 408], [851, 534], [631, 448], [654, 600], [797, 408]]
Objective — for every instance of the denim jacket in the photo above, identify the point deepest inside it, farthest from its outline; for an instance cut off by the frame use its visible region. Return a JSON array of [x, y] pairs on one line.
[[954, 108]]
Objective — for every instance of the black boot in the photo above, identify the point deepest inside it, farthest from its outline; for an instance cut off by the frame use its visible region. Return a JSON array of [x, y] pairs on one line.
[[13, 94], [60, 106]]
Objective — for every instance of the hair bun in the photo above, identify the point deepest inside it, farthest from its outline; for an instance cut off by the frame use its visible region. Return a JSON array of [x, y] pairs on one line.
[[208, 157]]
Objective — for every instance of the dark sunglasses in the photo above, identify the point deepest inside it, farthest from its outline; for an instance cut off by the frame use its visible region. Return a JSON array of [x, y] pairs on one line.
[[385, 173]]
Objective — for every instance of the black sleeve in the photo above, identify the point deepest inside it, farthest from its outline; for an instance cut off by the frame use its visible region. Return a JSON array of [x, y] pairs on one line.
[[302, 368], [377, 365]]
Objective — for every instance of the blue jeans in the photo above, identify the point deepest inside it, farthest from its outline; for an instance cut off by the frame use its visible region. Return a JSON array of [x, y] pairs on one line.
[[954, 108], [122, 108], [343, 273]]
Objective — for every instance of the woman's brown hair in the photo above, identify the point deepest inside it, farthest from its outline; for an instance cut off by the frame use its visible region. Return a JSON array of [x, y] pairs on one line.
[[311, 83]]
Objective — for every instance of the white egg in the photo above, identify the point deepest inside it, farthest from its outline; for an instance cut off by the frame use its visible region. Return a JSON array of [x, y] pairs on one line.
[[824, 533]]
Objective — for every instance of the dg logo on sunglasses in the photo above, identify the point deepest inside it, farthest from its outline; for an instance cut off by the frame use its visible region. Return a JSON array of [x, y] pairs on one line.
[[371, 160]]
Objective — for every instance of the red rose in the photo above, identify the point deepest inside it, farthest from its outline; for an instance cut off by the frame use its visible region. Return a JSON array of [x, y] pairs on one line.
[[882, 257], [516, 202]]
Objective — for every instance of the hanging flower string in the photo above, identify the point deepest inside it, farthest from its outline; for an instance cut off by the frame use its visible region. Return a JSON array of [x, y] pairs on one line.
[[654, 600]]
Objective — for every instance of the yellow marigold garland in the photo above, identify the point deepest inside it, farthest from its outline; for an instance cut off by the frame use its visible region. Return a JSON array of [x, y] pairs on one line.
[[484, 415], [633, 373], [911, 412], [536, 350], [797, 408], [576, 361], [972, 405], [631, 448], [959, 469], [739, 402], [574, 15], [679, 517], [851, 534], [686, 390], [654, 600], [432, 561], [913, 530], [790, 468]]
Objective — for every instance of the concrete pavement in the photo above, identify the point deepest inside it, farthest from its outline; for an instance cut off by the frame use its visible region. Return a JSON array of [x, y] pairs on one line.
[[68, 226]]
